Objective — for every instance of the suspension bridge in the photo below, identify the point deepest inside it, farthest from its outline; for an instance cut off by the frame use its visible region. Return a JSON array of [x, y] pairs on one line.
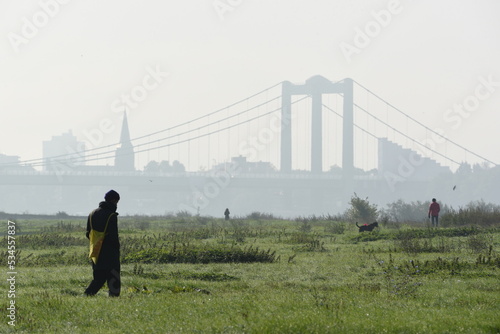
[[291, 148]]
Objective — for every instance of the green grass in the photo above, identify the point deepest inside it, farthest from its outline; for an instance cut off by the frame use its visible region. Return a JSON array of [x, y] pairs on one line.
[[323, 279]]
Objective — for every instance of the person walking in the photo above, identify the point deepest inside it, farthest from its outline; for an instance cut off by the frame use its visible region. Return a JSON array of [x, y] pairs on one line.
[[106, 266], [434, 212], [226, 214]]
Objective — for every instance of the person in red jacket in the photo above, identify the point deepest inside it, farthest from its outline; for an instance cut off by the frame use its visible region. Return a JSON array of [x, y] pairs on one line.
[[434, 212]]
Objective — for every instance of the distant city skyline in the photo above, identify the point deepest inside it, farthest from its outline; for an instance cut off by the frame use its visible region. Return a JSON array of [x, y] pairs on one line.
[[170, 62], [69, 151], [67, 147]]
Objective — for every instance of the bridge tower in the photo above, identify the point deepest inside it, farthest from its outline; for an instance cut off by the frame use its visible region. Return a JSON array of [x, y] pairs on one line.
[[316, 86], [124, 155]]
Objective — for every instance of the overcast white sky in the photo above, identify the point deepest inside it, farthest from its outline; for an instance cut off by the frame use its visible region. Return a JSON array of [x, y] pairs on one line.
[[64, 65]]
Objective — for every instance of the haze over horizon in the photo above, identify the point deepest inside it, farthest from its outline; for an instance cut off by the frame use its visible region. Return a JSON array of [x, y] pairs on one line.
[[70, 65]]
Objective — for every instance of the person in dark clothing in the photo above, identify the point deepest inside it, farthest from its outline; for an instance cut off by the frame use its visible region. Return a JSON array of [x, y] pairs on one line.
[[226, 214], [107, 267]]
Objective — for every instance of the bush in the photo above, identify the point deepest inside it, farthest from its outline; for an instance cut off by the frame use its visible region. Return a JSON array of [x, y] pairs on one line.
[[305, 226], [335, 227], [479, 243], [183, 214], [475, 213], [260, 216], [207, 254], [431, 233], [301, 238], [143, 225], [50, 240], [361, 210], [61, 214], [62, 227], [400, 211], [413, 245]]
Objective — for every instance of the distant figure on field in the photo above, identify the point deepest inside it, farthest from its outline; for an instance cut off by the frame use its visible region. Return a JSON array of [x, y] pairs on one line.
[[434, 212], [106, 263], [226, 214]]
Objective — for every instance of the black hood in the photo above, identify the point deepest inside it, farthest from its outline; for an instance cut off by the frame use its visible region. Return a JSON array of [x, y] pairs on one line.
[[108, 206]]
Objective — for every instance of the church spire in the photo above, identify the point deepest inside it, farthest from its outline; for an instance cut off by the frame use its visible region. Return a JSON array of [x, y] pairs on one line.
[[124, 155], [125, 134]]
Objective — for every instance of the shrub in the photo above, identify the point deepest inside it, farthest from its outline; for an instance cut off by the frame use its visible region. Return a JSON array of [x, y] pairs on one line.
[[55, 258], [210, 276], [387, 223], [305, 226], [335, 227], [431, 233], [412, 245], [313, 246], [143, 225], [61, 214], [62, 227], [479, 243], [45, 240], [361, 210], [475, 213], [207, 254], [260, 215], [183, 214], [301, 238]]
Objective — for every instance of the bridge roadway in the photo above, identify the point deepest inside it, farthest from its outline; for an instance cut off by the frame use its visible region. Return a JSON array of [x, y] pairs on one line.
[[179, 181]]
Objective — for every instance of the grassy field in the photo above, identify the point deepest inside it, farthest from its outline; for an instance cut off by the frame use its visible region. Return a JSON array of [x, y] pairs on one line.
[[203, 275]]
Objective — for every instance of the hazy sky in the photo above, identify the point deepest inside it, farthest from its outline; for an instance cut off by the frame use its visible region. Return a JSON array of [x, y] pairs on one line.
[[66, 65]]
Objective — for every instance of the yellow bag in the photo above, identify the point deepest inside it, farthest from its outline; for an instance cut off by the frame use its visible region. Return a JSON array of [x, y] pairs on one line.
[[96, 240]]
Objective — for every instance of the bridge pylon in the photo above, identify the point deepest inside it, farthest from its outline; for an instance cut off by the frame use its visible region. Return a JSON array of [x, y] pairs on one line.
[[315, 87]]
